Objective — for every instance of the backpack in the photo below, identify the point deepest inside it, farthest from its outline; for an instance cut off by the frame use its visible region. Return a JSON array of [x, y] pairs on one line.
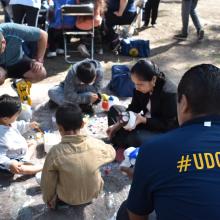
[[135, 48], [121, 83]]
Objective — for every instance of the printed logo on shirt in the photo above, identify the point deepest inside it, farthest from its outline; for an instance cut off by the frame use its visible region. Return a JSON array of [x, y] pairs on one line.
[[199, 161]]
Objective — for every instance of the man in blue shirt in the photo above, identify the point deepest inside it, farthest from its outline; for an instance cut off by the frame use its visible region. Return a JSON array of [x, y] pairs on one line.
[[13, 62], [178, 174]]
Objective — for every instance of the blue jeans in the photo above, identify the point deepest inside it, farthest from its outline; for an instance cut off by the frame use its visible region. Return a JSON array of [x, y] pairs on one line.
[[188, 8]]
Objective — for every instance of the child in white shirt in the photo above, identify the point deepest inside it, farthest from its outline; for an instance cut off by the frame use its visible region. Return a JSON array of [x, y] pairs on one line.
[[13, 146]]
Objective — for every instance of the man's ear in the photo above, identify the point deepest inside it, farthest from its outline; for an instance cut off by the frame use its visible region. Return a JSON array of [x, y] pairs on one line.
[[184, 105], [61, 129], [5, 119], [154, 79], [82, 125]]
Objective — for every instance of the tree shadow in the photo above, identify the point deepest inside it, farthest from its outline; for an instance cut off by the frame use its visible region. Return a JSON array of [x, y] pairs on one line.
[[40, 212], [162, 49], [33, 191]]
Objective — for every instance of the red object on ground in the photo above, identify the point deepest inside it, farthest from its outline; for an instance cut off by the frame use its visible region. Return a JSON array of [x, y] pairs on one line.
[[120, 154], [105, 105]]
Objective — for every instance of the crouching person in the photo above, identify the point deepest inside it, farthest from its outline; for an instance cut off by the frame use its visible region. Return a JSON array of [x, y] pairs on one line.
[[81, 86], [71, 170]]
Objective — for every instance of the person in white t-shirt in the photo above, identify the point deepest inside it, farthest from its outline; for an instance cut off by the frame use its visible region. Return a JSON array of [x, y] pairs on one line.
[[14, 150]]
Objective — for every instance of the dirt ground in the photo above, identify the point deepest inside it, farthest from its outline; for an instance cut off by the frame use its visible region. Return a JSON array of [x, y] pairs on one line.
[[21, 198]]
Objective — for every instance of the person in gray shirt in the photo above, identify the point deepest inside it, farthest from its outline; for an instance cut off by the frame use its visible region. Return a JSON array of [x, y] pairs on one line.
[[81, 86], [13, 61]]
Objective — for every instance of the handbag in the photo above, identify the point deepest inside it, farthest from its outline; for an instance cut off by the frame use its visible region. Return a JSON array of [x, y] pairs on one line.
[[135, 48], [121, 83]]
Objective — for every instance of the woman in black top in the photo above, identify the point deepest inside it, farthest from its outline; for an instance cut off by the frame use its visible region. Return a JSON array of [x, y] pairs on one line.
[[154, 101]]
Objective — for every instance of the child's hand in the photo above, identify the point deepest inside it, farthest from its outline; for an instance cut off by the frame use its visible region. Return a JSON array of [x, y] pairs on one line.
[[34, 125], [94, 97], [129, 171], [15, 167]]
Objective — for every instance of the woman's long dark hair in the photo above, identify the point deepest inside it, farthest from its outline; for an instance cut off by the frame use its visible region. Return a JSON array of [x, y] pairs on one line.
[[146, 70]]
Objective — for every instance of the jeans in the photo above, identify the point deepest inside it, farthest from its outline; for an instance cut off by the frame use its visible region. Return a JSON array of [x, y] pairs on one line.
[[55, 39], [111, 20], [56, 94], [188, 8], [151, 9]]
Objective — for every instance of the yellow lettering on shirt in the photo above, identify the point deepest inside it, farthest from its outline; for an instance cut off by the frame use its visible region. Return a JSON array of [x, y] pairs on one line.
[[199, 164], [201, 161]]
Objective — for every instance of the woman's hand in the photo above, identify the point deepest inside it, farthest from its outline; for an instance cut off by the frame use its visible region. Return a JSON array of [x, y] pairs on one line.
[[140, 120], [113, 129], [110, 131]]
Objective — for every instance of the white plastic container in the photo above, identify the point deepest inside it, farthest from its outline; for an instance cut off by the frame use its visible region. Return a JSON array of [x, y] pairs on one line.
[[51, 139], [131, 122], [127, 162]]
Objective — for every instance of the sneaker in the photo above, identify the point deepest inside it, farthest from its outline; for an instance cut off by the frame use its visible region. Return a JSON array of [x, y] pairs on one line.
[[180, 36], [59, 51], [153, 24], [200, 34], [99, 51], [83, 50], [146, 24], [51, 54]]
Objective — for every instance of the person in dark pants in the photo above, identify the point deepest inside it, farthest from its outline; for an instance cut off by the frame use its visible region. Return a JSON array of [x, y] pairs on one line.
[[154, 102], [27, 9], [189, 9], [118, 13], [177, 173], [151, 10]]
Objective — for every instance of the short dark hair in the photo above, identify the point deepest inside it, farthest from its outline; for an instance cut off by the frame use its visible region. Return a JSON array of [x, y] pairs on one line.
[[9, 105], [146, 70], [86, 72], [201, 86], [69, 116]]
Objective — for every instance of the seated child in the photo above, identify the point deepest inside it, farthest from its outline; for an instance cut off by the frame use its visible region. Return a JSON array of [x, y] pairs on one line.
[[71, 170], [81, 85], [14, 150]]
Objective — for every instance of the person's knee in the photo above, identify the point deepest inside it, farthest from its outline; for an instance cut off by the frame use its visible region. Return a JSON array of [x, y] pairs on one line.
[[36, 76], [41, 74]]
